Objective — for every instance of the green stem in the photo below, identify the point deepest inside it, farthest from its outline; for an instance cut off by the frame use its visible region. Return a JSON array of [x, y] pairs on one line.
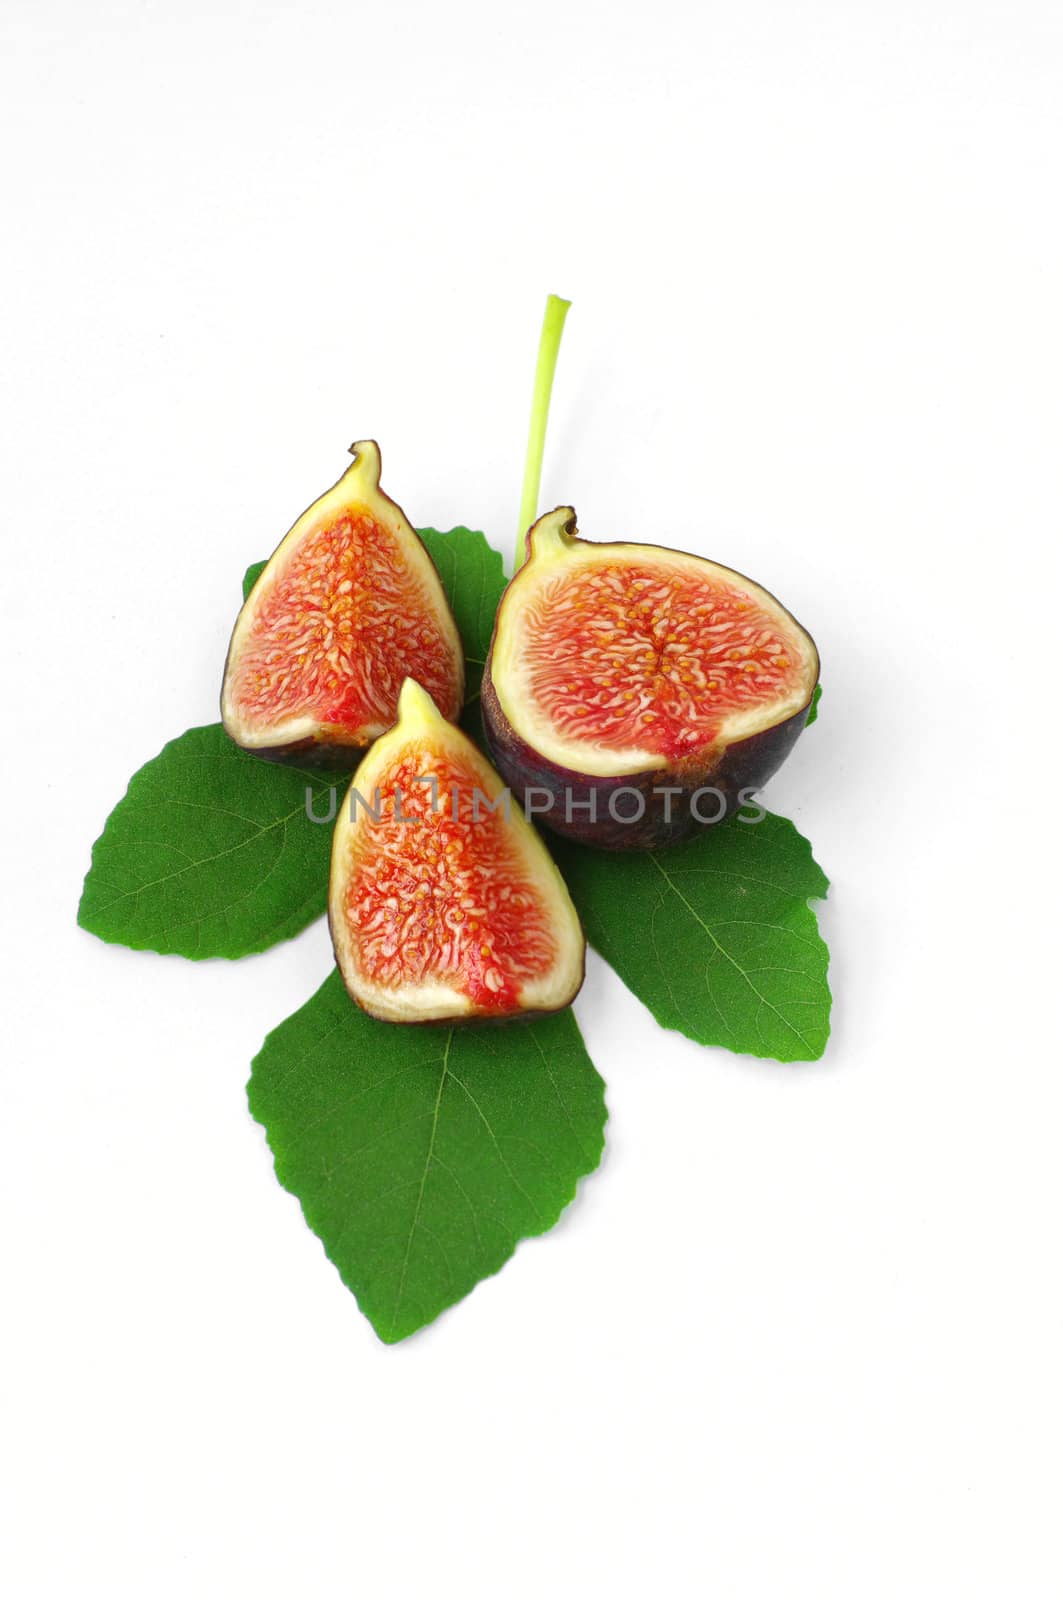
[[549, 344]]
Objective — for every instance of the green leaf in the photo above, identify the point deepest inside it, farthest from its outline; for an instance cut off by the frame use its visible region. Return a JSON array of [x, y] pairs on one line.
[[716, 935], [473, 578], [210, 853], [422, 1155], [813, 710], [252, 575]]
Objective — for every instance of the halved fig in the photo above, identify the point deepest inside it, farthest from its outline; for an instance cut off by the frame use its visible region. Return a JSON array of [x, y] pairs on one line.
[[443, 901], [632, 693], [348, 605]]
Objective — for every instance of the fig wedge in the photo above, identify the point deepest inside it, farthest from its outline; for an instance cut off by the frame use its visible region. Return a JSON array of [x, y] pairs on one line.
[[348, 605], [444, 903]]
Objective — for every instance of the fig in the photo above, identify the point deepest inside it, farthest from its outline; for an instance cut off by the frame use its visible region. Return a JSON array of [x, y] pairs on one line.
[[634, 694], [444, 903], [348, 605]]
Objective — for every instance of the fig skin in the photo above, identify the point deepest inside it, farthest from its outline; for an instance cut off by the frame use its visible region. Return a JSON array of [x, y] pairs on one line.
[[310, 754], [735, 770], [745, 765]]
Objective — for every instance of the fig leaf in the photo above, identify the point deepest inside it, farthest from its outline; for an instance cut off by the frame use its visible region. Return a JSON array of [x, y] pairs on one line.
[[715, 936], [421, 1156], [209, 853], [252, 575], [473, 578]]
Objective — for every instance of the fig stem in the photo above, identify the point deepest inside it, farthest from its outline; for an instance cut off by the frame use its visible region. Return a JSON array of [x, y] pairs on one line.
[[549, 344]]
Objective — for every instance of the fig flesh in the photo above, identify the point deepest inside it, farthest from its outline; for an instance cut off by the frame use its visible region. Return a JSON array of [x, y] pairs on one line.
[[635, 694], [444, 903], [348, 605]]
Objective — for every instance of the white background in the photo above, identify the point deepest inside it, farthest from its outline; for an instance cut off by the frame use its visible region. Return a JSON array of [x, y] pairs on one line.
[[801, 1334]]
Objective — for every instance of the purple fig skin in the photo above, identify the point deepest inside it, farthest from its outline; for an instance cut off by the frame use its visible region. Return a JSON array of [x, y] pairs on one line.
[[312, 756], [743, 766]]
